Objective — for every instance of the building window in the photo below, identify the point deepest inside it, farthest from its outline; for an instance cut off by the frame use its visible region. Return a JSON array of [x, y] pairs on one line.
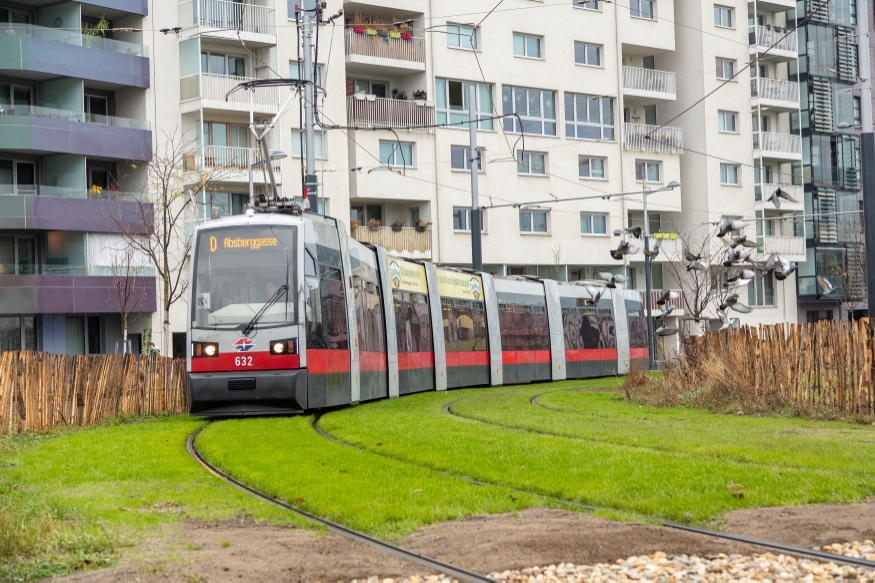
[[18, 255], [396, 153], [857, 117], [722, 16], [587, 5], [18, 177], [649, 168], [299, 144], [591, 167], [642, 9], [729, 174], [727, 121], [725, 69], [589, 117], [462, 37], [367, 87], [593, 224], [761, 291], [526, 46], [534, 163], [451, 103], [460, 159], [17, 333], [222, 64], [462, 219], [536, 108], [533, 221], [295, 69], [587, 54]]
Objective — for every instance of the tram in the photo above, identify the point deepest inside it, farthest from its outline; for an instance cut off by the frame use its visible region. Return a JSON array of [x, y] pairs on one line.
[[290, 314]]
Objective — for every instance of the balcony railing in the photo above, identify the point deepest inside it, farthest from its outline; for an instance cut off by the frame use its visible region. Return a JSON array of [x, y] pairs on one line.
[[67, 192], [408, 242], [781, 145], [227, 161], [763, 37], [54, 269], [378, 112], [639, 136], [677, 303], [775, 90], [72, 37], [213, 89], [37, 111], [784, 245], [377, 50], [235, 16], [649, 83]]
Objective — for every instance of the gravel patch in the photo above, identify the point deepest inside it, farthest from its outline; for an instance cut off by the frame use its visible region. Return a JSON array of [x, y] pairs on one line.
[[860, 550]]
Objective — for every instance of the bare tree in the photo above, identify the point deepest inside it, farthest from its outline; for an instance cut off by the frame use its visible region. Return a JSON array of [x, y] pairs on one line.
[[174, 178], [128, 267], [702, 289], [849, 274]]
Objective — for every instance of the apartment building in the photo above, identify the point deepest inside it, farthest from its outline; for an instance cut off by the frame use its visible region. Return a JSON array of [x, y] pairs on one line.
[[830, 120], [592, 87], [72, 122]]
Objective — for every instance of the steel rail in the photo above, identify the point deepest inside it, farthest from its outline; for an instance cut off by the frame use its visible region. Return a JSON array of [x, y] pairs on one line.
[[440, 566], [786, 548]]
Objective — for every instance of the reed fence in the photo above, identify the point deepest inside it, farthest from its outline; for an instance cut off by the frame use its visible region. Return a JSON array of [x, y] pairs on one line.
[[39, 390], [824, 365]]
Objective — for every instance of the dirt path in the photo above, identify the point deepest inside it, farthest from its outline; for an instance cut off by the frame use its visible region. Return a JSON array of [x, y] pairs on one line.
[[197, 551]]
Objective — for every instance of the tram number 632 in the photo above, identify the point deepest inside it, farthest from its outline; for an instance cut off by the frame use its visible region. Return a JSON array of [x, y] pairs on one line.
[[242, 361]]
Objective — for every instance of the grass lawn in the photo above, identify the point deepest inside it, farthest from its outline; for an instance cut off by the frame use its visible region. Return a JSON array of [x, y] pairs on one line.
[[70, 498]]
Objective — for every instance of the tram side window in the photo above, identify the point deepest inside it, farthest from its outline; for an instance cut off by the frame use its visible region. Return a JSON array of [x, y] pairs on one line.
[[464, 325], [412, 322], [582, 328], [523, 327], [369, 312], [637, 327], [607, 333], [327, 328]]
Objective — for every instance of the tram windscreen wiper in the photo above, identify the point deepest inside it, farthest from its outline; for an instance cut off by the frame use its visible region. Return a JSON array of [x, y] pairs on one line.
[[273, 299]]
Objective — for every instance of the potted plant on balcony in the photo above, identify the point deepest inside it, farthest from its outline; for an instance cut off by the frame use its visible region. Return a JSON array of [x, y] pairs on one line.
[[421, 225], [375, 224], [397, 224], [353, 225], [396, 34]]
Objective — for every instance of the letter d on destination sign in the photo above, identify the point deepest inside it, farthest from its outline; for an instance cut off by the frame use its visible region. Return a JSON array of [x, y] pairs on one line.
[[212, 244]]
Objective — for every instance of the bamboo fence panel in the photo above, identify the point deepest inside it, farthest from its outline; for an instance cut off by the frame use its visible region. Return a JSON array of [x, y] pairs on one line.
[[824, 365], [39, 390]]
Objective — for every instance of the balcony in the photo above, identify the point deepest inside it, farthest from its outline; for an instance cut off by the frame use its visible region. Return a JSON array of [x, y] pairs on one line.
[[33, 129], [670, 248], [677, 304], [408, 242], [383, 56], [764, 191], [777, 146], [50, 52], [206, 91], [774, 94], [228, 164], [650, 138], [223, 19], [792, 248], [785, 48], [52, 208], [69, 290], [645, 86], [369, 111]]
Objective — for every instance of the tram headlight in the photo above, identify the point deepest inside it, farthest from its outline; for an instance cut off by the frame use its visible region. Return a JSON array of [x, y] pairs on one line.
[[287, 346], [204, 349]]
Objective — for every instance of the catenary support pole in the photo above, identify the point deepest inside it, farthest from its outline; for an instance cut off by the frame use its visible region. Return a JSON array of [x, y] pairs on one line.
[[867, 151], [474, 160], [311, 182], [647, 284]]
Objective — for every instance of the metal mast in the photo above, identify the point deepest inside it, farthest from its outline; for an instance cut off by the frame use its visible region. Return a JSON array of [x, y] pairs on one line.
[[309, 8]]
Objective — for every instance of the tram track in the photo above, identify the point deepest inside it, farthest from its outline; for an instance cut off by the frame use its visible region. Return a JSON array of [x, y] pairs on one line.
[[428, 562]]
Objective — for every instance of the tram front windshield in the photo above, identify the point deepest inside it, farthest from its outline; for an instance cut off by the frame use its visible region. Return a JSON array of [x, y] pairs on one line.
[[238, 270]]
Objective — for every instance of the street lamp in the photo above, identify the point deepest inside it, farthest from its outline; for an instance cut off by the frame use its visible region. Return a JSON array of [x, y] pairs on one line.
[[647, 296], [275, 155]]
